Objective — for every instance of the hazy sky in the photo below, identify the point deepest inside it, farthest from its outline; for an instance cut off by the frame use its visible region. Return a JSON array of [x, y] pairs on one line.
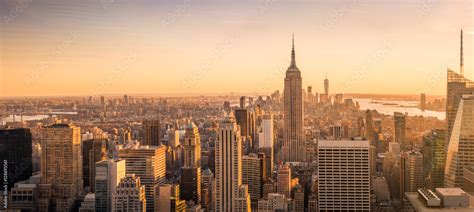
[[91, 47]]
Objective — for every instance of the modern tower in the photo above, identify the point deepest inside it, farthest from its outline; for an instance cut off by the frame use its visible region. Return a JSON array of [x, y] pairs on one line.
[[266, 142], [434, 158], [148, 163], [400, 124], [294, 138], [151, 129], [228, 166], [93, 150], [61, 167], [107, 177], [343, 175], [16, 151], [460, 152], [457, 86]]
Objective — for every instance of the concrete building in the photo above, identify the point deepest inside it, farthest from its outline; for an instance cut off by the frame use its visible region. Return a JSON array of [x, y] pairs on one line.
[[168, 199], [284, 181], [442, 199], [468, 179], [274, 202], [148, 163], [88, 205], [130, 195], [251, 176], [23, 196], [345, 164], [61, 167]]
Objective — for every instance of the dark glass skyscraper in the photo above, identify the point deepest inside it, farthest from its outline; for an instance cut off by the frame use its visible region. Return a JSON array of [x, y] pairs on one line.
[[16, 149]]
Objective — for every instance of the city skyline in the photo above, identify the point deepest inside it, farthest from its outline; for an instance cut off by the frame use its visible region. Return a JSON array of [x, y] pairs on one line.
[[115, 47]]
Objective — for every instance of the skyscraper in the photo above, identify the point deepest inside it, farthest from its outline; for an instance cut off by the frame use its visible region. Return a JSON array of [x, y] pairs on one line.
[[461, 144], [423, 101], [294, 138], [148, 163], [93, 150], [344, 164], [61, 167], [400, 135], [16, 151], [284, 181], [434, 158], [228, 168], [191, 176], [107, 177], [251, 175], [412, 171], [151, 129], [242, 117], [457, 86], [130, 195], [266, 142]]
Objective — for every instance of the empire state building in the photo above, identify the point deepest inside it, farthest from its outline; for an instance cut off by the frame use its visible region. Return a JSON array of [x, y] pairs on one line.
[[294, 138]]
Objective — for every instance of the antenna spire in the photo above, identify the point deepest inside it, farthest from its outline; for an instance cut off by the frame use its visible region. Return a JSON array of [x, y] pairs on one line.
[[462, 58], [293, 60]]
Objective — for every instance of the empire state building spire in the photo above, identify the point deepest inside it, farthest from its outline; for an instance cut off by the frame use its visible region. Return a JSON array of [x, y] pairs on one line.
[[462, 58], [293, 61]]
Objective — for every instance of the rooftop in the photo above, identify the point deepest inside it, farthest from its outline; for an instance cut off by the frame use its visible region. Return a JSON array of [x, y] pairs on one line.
[[344, 143]]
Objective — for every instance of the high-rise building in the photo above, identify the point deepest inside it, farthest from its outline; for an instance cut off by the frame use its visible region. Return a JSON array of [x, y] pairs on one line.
[[61, 167], [151, 130], [242, 117], [461, 144], [294, 137], [298, 197], [130, 195], [93, 150], [457, 86], [191, 176], [192, 146], [274, 202], [228, 165], [251, 176], [423, 101], [16, 151], [400, 124], [148, 163], [284, 180], [344, 164], [107, 177], [266, 142], [434, 158], [207, 189], [168, 199], [411, 171]]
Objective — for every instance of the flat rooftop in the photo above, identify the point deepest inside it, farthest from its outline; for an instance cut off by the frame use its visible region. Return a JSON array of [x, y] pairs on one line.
[[344, 143], [420, 206], [451, 192]]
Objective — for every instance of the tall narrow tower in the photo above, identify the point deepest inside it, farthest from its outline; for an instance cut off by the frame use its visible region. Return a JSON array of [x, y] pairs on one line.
[[294, 139], [462, 58], [326, 87]]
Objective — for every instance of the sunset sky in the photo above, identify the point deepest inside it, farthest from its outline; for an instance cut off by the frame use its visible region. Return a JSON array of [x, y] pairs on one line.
[[92, 47]]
